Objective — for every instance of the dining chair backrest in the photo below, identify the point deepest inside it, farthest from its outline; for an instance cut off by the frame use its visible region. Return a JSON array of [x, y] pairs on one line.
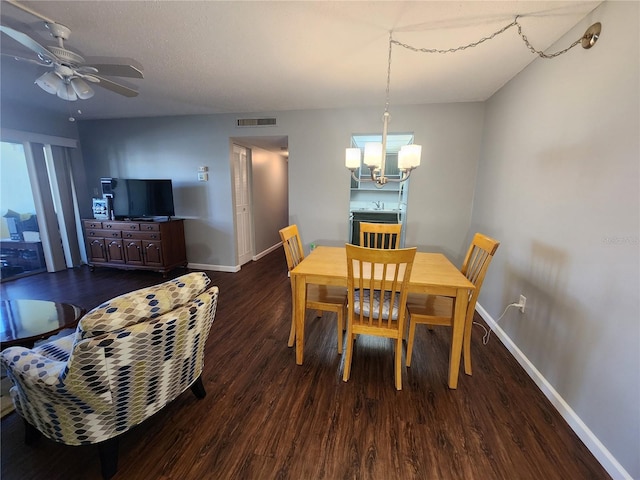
[[322, 298], [377, 285], [437, 310], [380, 235], [477, 262], [292, 246], [377, 282]]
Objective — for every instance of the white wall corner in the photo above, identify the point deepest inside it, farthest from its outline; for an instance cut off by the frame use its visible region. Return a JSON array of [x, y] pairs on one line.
[[602, 454]]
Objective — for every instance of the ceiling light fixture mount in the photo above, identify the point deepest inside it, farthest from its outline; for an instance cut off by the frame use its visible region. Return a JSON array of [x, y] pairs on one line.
[[591, 36], [409, 155]]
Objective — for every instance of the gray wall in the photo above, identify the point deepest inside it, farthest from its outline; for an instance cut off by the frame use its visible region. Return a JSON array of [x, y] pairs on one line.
[[558, 184], [269, 181], [440, 197], [16, 116], [172, 147], [441, 190]]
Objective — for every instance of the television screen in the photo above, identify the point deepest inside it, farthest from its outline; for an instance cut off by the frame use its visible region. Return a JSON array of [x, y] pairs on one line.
[[133, 198]]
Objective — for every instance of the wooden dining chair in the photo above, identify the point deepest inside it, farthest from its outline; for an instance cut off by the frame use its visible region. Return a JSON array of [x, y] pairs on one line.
[[377, 282], [322, 298], [380, 235], [438, 310]]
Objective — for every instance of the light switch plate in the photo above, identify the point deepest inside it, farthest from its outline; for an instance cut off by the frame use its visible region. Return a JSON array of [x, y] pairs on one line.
[[203, 177]]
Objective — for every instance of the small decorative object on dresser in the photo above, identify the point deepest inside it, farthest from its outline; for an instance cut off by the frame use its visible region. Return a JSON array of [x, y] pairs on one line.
[[139, 245]]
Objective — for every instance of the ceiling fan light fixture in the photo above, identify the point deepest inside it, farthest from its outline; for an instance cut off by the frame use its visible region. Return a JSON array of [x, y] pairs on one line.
[[49, 82], [66, 92], [81, 88]]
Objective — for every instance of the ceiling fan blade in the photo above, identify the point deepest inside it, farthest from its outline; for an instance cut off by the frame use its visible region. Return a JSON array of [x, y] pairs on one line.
[[45, 63], [29, 42], [87, 69], [88, 77], [116, 87], [116, 70]]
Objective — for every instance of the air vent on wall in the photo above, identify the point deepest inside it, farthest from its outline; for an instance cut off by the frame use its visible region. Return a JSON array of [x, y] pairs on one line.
[[256, 122]]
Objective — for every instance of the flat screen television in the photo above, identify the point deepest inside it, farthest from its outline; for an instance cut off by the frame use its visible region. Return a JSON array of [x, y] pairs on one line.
[[137, 198]]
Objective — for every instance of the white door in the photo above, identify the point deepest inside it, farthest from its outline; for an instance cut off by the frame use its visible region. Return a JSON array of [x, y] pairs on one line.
[[243, 205]]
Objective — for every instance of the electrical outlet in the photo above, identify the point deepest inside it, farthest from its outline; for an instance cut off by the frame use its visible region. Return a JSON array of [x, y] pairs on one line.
[[523, 302]]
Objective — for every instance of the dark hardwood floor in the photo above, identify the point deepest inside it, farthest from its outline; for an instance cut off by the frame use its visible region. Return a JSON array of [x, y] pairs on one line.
[[264, 417]]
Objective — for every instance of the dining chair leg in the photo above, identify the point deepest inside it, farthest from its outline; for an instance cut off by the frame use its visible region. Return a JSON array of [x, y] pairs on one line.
[[347, 360], [412, 334], [292, 332], [466, 347], [398, 364], [341, 316]]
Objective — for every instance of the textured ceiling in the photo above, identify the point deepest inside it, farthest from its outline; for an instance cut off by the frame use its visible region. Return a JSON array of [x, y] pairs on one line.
[[267, 56]]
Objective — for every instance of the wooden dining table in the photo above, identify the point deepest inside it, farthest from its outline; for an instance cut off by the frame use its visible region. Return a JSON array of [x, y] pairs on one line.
[[432, 274]]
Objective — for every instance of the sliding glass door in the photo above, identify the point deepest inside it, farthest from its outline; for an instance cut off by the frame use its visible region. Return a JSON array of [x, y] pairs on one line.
[[21, 250], [39, 204]]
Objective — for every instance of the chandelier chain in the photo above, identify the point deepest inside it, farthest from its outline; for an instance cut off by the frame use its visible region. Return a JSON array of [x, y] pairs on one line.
[[540, 53], [515, 23], [391, 42], [412, 160]]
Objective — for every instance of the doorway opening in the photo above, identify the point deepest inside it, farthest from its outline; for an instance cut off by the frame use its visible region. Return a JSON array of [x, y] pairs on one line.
[[261, 194]]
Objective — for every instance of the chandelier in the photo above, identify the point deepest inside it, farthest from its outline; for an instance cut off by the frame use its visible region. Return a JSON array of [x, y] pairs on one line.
[[375, 153]]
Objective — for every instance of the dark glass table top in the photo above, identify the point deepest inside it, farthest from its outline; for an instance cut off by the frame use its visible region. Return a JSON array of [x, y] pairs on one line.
[[26, 321]]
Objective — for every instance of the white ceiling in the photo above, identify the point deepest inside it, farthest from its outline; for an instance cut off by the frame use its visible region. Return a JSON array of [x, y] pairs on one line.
[[203, 57]]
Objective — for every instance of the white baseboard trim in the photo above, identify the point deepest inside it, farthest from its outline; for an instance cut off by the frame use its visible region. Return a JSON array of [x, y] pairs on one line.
[[215, 268], [604, 456], [267, 251], [233, 268]]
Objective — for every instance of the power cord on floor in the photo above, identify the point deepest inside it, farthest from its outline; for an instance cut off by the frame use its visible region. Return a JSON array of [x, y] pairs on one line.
[[487, 332]]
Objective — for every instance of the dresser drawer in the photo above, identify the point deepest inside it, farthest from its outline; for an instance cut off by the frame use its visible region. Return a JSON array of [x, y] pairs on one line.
[[141, 235], [120, 226], [104, 233], [150, 227], [92, 224]]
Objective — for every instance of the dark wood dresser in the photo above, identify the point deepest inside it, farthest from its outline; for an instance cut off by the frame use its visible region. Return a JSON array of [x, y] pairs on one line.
[[138, 245]]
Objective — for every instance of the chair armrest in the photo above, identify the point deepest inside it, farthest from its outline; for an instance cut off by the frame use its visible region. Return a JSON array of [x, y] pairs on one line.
[[30, 368]]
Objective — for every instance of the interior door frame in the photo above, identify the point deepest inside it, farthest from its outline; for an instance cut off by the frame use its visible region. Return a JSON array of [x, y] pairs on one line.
[[242, 257]]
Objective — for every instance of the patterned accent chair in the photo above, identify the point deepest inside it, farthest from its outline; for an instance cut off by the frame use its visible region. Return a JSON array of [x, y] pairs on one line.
[[127, 359]]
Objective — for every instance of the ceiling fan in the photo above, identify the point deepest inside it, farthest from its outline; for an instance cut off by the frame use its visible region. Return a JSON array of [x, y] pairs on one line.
[[69, 77]]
